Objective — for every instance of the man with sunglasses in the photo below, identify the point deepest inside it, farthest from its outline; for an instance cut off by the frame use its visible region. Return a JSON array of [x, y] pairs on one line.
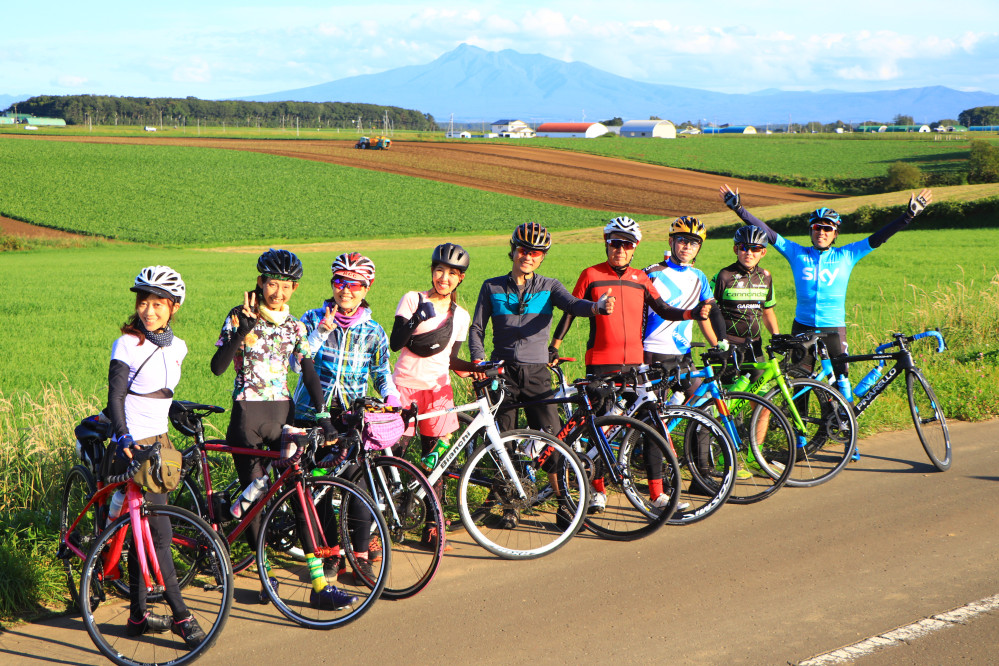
[[745, 291], [520, 305], [822, 272]]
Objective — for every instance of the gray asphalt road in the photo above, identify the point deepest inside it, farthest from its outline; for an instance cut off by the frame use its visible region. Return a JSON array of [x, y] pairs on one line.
[[888, 542]]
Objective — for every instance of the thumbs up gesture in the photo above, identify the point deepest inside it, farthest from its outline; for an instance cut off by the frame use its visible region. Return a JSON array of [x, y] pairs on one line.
[[605, 304]]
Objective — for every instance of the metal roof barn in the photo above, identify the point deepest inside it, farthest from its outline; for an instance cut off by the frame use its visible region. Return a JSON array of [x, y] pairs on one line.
[[733, 129], [571, 130], [657, 129]]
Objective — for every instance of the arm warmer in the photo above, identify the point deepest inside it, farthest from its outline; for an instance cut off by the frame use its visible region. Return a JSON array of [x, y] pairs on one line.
[[563, 325], [878, 238], [749, 218], [117, 388], [311, 380], [402, 332]]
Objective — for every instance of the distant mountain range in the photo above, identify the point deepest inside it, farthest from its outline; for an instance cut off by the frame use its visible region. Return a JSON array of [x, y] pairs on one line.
[[481, 86]]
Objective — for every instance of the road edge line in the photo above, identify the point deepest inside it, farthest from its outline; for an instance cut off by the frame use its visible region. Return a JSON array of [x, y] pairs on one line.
[[905, 633]]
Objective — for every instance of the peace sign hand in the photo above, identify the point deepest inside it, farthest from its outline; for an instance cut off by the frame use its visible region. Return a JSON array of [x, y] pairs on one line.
[[328, 322]]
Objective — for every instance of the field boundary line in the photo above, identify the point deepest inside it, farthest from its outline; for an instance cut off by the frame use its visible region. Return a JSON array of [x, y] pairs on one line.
[[904, 634]]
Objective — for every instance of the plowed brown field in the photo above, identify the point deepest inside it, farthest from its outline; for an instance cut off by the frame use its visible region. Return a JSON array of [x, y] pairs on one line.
[[571, 179]]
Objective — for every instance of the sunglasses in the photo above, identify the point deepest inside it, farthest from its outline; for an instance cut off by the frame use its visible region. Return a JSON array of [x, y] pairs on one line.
[[746, 247], [823, 227], [683, 240], [533, 254], [619, 244], [341, 284]]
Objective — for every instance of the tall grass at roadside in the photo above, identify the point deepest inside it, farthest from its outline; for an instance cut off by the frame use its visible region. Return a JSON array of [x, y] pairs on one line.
[[36, 451]]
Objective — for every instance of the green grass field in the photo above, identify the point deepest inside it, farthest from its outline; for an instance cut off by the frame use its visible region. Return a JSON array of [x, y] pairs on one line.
[[205, 196]]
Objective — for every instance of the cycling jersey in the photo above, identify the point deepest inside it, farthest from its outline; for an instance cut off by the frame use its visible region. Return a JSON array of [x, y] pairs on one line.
[[821, 277], [521, 318], [345, 358], [742, 296], [141, 409], [616, 339], [683, 287], [261, 362]]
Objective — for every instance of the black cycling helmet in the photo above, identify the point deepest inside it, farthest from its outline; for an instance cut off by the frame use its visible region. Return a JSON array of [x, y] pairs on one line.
[[532, 236], [750, 235], [280, 265], [451, 255]]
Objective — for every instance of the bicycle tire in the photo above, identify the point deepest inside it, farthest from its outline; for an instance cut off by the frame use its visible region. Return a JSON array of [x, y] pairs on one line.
[[928, 419], [209, 603], [686, 430], [77, 491], [410, 508], [765, 447], [629, 513], [830, 435], [332, 497], [487, 496]]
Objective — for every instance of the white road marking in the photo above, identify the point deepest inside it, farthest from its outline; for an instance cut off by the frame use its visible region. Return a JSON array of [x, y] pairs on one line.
[[905, 634]]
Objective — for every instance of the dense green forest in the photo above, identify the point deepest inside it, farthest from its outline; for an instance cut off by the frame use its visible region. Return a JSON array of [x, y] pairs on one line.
[[108, 110]]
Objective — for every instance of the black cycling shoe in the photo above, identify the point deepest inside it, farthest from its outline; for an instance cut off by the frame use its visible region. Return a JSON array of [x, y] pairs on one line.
[[151, 623], [510, 519], [189, 630]]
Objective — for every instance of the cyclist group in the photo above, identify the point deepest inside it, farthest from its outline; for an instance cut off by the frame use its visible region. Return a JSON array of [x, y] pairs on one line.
[[636, 316]]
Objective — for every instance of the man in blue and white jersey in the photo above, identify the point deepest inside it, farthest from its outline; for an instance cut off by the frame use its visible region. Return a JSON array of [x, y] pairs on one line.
[[822, 272]]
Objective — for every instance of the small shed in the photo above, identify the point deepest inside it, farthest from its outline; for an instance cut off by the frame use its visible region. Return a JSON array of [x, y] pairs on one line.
[[656, 129], [46, 122], [571, 130], [731, 129]]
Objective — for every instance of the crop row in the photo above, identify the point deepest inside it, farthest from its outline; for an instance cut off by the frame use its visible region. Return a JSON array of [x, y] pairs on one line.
[[203, 196]]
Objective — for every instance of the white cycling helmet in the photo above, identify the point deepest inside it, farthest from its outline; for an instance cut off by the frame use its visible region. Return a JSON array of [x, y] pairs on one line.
[[162, 281], [624, 225], [354, 266]]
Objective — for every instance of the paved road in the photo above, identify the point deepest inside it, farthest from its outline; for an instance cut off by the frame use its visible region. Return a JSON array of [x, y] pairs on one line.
[[885, 544]]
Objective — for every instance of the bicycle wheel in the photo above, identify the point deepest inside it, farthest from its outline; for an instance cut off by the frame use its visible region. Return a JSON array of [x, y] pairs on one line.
[[641, 454], [78, 490], [825, 445], [929, 419], [411, 510], [764, 447], [337, 503], [705, 480], [523, 528], [208, 598]]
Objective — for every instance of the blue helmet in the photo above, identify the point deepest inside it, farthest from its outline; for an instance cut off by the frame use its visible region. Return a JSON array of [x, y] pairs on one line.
[[827, 215]]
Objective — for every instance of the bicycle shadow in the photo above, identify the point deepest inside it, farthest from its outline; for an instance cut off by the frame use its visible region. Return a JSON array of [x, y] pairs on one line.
[[910, 466]]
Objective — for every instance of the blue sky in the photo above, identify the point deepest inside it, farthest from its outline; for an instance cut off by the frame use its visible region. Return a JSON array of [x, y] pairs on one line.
[[228, 48]]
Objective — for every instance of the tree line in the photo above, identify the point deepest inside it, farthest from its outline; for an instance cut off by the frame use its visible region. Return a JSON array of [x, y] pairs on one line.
[[110, 110], [980, 115]]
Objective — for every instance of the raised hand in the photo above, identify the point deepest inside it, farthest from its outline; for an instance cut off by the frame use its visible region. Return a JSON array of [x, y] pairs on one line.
[[918, 203], [730, 198], [328, 322], [424, 311]]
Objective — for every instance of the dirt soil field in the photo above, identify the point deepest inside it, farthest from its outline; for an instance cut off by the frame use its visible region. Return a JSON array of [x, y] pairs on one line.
[[570, 179]]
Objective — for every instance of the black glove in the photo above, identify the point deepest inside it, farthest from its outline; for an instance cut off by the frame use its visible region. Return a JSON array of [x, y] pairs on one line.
[[246, 324], [329, 432], [732, 200], [695, 314], [552, 354]]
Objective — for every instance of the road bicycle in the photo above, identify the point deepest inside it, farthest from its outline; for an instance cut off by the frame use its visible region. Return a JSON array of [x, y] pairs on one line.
[[825, 427], [683, 430], [762, 435], [295, 504], [199, 555], [520, 494], [405, 498], [924, 408]]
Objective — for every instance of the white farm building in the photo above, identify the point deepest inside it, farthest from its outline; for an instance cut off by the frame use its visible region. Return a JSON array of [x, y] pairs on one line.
[[658, 129], [513, 129], [571, 130]]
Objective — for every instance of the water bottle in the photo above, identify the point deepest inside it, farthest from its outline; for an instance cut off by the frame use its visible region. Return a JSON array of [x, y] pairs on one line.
[[117, 502], [252, 492], [619, 407], [869, 380], [677, 398], [741, 384], [843, 384], [431, 459]]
